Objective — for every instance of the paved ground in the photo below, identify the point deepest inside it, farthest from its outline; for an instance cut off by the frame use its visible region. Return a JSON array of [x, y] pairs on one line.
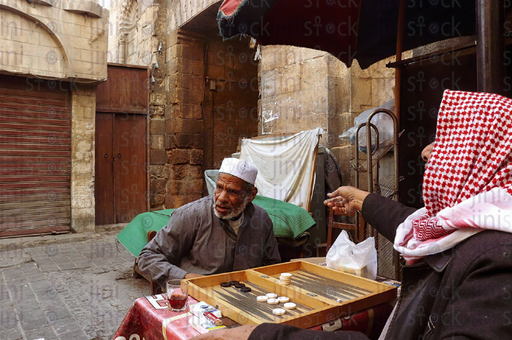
[[67, 287]]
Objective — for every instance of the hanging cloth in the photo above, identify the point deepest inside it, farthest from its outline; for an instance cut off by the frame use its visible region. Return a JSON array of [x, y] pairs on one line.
[[286, 166]]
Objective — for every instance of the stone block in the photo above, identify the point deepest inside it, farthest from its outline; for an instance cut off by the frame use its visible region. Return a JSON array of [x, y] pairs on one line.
[[344, 155], [156, 111], [196, 157], [361, 94], [193, 51], [382, 90], [157, 126], [309, 53], [157, 98], [185, 187], [157, 186], [191, 66], [83, 220], [178, 156], [185, 171], [176, 201], [171, 38], [185, 126], [336, 68], [186, 81], [379, 69], [158, 157], [291, 79], [189, 96], [157, 171], [269, 83], [179, 140], [357, 72], [186, 111], [314, 76], [157, 142], [157, 202]]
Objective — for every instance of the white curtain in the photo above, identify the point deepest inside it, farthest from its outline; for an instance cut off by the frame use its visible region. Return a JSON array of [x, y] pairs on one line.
[[286, 166]]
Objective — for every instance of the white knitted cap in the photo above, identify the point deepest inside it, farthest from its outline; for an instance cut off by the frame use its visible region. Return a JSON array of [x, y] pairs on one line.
[[239, 168]]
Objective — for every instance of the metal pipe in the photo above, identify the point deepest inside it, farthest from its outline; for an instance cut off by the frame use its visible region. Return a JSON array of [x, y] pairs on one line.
[[490, 45], [399, 48]]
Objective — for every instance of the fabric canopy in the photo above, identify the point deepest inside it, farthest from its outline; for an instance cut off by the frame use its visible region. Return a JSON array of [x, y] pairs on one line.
[[286, 166], [348, 29]]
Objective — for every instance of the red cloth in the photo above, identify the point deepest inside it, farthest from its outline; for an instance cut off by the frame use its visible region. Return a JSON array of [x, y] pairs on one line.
[[467, 186], [472, 153], [149, 316]]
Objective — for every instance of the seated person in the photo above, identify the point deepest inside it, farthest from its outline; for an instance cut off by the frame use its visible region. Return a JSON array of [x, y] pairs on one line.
[[215, 234], [457, 281]]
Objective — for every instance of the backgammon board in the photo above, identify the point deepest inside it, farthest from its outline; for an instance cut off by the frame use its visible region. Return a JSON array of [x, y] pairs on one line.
[[320, 294]]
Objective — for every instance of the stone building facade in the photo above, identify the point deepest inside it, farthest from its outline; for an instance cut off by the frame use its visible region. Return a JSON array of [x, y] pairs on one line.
[[61, 46], [202, 84]]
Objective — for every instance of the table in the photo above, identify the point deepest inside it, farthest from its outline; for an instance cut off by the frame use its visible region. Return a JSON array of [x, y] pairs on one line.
[[149, 318]]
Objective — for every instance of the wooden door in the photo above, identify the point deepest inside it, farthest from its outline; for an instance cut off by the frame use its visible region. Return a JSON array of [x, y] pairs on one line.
[[122, 105], [104, 169], [129, 166], [120, 189]]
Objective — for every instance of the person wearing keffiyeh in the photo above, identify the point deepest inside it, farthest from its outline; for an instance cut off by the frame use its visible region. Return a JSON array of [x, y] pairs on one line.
[[457, 283]]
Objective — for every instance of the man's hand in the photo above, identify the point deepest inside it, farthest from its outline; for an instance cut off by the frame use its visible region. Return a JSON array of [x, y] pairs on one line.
[[346, 199], [191, 275], [238, 333]]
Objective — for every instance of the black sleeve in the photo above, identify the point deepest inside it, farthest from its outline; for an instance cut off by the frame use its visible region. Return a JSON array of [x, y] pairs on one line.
[[267, 331], [384, 214]]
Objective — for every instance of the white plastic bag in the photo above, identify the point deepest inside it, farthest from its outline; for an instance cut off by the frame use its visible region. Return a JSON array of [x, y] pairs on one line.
[[359, 259], [383, 122]]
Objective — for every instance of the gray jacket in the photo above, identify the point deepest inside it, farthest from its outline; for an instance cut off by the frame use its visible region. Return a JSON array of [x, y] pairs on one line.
[[196, 241]]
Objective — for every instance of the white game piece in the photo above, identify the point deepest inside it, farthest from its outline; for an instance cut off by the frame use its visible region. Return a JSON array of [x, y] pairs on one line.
[[271, 295], [273, 301], [289, 305], [262, 298], [283, 299], [286, 275], [278, 311]]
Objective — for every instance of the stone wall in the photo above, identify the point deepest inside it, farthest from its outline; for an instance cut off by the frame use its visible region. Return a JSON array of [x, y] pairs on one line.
[[307, 88], [293, 89], [67, 41], [184, 89], [54, 39], [83, 113]]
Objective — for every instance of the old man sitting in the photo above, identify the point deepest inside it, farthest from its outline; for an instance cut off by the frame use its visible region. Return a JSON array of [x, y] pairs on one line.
[[215, 234]]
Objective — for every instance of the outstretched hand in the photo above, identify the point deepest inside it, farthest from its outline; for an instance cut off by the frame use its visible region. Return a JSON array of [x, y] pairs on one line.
[[346, 199]]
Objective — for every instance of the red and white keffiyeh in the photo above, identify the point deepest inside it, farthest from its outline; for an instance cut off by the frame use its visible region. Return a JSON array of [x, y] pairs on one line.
[[467, 186]]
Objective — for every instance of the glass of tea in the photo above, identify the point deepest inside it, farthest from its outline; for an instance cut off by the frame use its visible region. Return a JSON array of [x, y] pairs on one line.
[[177, 295]]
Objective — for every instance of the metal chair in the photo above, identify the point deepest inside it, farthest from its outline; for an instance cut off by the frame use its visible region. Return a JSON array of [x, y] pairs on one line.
[[357, 227]]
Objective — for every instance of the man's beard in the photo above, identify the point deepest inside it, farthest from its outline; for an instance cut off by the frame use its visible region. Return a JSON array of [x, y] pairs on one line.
[[234, 212]]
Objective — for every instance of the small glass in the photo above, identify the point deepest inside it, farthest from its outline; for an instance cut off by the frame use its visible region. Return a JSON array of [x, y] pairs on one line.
[[177, 295]]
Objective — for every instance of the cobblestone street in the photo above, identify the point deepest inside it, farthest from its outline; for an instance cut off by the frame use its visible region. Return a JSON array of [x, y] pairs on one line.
[[68, 287]]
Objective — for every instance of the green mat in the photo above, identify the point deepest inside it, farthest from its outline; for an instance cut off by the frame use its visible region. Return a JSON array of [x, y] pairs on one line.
[[290, 221]]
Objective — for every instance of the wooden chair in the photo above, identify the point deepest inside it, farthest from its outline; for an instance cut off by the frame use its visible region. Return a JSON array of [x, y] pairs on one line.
[[155, 287], [358, 229]]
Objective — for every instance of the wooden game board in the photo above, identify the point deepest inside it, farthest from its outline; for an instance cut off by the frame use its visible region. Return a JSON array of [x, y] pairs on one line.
[[321, 294]]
